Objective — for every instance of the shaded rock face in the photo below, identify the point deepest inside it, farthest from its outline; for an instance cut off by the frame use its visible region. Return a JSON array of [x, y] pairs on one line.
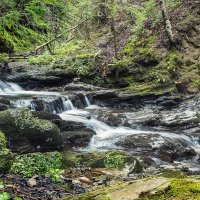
[[33, 80], [6, 156], [26, 133], [4, 104], [171, 151], [126, 100], [73, 133], [78, 87], [81, 137], [52, 106]]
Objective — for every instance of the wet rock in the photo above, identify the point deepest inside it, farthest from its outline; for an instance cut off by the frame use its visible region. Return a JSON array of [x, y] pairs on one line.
[[21, 124], [171, 151], [32, 79], [55, 105], [180, 121], [74, 133], [3, 107], [168, 101], [4, 104], [104, 97], [78, 137], [37, 104], [145, 117], [113, 119], [78, 101], [47, 116], [142, 141]]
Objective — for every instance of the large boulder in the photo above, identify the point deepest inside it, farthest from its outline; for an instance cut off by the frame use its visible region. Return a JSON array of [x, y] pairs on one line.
[[23, 129], [5, 155], [74, 133]]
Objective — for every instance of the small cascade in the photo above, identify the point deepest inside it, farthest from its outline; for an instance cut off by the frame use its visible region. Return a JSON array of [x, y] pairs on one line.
[[32, 105], [87, 101], [68, 105], [106, 136], [9, 87], [21, 103]]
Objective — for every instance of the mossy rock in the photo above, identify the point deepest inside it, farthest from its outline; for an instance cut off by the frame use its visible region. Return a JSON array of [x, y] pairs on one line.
[[111, 159], [6, 156], [19, 125]]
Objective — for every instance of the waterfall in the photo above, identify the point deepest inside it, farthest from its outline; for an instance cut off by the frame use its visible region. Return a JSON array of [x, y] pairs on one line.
[[68, 105], [9, 87], [87, 101], [105, 137]]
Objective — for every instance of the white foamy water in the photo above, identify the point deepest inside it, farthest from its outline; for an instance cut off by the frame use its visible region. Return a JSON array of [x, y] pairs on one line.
[[106, 136], [6, 87], [87, 101]]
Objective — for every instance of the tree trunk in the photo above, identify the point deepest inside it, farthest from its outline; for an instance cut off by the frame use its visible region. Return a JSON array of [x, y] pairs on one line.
[[167, 23]]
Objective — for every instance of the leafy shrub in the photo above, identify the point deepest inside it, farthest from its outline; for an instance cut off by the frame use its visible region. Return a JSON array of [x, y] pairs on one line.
[[44, 59], [37, 163], [114, 162]]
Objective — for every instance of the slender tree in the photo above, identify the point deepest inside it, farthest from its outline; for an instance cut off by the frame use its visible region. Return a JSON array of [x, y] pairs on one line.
[[167, 23]]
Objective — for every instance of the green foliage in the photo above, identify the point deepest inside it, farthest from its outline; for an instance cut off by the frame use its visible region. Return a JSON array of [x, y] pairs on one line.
[[142, 13], [4, 57], [4, 196], [173, 4], [55, 174], [44, 59], [114, 162], [5, 155], [24, 25], [37, 163]]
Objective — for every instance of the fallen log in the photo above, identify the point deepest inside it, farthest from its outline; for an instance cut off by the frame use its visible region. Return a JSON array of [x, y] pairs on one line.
[[57, 37]]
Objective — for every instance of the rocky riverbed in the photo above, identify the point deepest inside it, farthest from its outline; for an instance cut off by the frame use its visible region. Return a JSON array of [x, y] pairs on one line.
[[87, 124]]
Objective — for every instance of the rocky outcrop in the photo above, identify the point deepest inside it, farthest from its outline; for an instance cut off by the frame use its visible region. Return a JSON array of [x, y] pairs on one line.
[[32, 79], [26, 133], [166, 149]]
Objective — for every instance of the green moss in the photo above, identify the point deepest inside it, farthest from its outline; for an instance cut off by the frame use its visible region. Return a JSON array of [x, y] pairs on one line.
[[6, 156], [179, 189], [111, 159], [21, 123], [141, 51], [24, 26], [174, 174]]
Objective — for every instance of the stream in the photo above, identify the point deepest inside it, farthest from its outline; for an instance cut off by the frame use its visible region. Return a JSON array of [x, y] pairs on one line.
[[106, 136]]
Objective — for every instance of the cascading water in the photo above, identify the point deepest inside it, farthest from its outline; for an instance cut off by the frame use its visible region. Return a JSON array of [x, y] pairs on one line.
[[87, 101], [105, 137], [6, 87]]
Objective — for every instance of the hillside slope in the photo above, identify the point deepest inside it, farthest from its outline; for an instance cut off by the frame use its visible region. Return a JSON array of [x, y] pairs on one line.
[[124, 45]]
